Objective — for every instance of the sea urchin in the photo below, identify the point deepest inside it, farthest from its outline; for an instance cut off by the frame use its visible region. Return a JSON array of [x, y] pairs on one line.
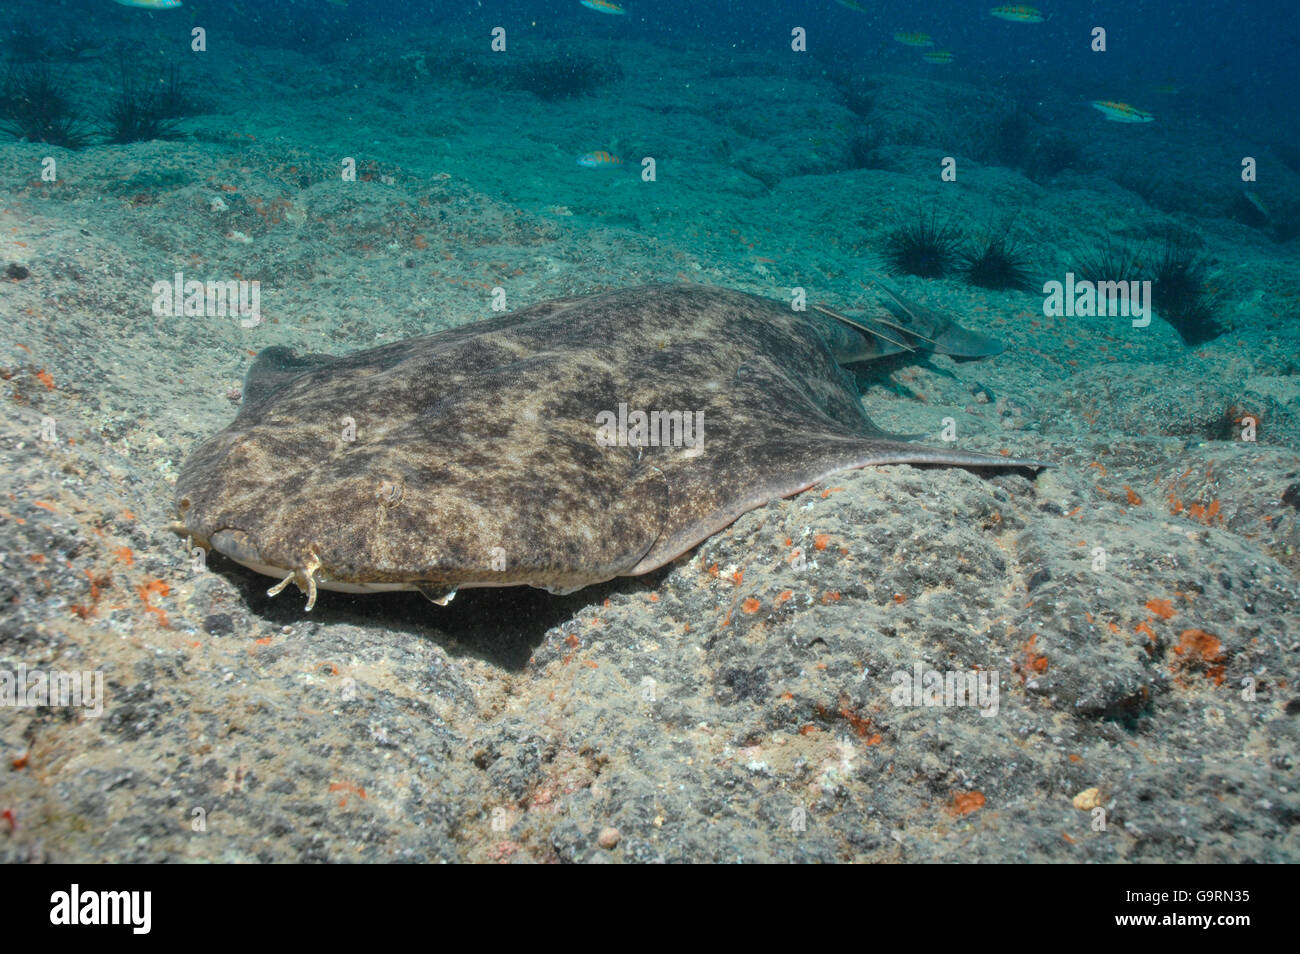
[[923, 247]]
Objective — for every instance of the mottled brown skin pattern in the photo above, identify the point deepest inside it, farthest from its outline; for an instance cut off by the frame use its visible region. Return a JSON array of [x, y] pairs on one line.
[[484, 437]]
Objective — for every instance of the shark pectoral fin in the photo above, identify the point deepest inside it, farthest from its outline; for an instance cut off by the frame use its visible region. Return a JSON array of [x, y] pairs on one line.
[[790, 459]]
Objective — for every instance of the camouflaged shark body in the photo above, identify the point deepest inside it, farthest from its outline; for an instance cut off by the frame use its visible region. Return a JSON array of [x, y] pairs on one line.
[[477, 456]]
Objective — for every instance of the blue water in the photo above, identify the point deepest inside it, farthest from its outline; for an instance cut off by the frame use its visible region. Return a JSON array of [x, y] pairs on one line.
[[1242, 52], [1238, 58]]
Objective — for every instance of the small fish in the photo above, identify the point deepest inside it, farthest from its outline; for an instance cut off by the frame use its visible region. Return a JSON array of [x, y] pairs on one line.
[[1017, 13], [852, 5], [1167, 88], [1258, 203], [603, 6], [1121, 112], [150, 4], [937, 56], [914, 39], [598, 158]]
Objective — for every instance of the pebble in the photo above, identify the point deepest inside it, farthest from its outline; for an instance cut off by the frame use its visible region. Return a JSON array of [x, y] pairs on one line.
[[609, 837], [1088, 799]]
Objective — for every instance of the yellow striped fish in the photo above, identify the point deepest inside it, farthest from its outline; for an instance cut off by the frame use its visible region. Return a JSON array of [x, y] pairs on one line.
[[1017, 13], [937, 56], [914, 39], [597, 158], [1121, 112]]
